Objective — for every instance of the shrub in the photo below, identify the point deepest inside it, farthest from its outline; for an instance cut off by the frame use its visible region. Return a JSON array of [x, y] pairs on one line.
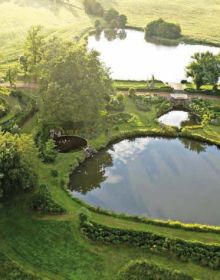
[[131, 92], [161, 28], [92, 7], [49, 152], [54, 173], [144, 270], [18, 156], [204, 254], [116, 103], [43, 202]]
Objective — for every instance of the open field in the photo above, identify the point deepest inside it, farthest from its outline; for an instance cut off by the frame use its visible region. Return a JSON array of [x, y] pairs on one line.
[[199, 19]]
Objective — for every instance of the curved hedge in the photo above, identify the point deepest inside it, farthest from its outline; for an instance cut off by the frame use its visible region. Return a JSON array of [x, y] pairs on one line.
[[201, 253], [143, 270]]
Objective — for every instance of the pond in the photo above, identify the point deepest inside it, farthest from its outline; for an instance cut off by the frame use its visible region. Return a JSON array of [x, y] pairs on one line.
[[155, 177], [132, 58], [179, 118]]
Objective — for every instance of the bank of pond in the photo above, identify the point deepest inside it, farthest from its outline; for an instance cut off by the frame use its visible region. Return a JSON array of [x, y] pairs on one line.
[[156, 177]]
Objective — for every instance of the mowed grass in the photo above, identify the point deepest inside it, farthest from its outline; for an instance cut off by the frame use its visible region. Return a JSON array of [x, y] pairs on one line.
[[199, 19]]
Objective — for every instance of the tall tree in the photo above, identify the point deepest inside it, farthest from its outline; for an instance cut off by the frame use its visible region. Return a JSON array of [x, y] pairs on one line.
[[33, 49], [204, 69], [76, 86], [11, 75]]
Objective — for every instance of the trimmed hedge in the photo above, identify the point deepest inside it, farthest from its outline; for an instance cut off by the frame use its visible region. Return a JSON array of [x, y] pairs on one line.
[[43, 202], [144, 270], [203, 254]]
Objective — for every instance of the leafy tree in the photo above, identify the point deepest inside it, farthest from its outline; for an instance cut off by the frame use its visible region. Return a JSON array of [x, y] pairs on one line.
[[76, 86], [33, 50], [17, 160], [110, 15], [123, 21], [50, 152], [204, 69], [163, 29], [92, 7], [11, 75], [24, 64]]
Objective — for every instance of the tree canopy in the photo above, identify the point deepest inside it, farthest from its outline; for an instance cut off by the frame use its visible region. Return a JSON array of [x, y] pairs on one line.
[[92, 7], [76, 85], [18, 157], [163, 29], [204, 69]]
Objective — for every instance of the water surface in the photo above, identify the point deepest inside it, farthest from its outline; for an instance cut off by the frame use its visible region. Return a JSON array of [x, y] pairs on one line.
[[132, 58], [156, 177], [178, 118]]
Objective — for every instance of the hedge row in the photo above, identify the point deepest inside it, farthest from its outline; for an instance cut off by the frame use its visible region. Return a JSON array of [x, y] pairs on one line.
[[203, 254], [145, 89], [142, 270]]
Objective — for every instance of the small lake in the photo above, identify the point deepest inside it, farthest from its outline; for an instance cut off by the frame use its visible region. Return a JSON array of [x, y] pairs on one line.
[[178, 118], [160, 178], [130, 57]]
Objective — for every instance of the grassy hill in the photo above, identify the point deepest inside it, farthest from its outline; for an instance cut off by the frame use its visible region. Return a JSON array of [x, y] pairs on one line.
[[199, 19]]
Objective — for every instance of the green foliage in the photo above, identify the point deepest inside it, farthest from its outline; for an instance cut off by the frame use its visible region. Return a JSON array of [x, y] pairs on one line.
[[4, 107], [33, 49], [161, 28], [116, 103], [11, 75], [114, 19], [76, 86], [43, 202], [49, 152], [204, 69], [54, 173], [131, 92], [17, 161], [204, 254], [144, 270], [92, 7]]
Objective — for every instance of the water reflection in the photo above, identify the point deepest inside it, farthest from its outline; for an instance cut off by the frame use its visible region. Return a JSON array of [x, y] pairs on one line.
[[111, 34], [179, 118], [135, 59], [160, 178]]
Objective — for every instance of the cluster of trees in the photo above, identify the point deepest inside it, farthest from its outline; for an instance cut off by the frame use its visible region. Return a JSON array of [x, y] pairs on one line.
[[29, 61], [163, 29], [18, 157], [204, 69], [92, 7]]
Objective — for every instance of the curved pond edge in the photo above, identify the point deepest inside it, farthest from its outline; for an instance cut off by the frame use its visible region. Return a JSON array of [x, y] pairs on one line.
[[158, 222]]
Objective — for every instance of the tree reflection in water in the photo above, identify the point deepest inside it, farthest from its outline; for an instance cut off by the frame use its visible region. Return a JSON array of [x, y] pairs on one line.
[[93, 173], [194, 146]]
